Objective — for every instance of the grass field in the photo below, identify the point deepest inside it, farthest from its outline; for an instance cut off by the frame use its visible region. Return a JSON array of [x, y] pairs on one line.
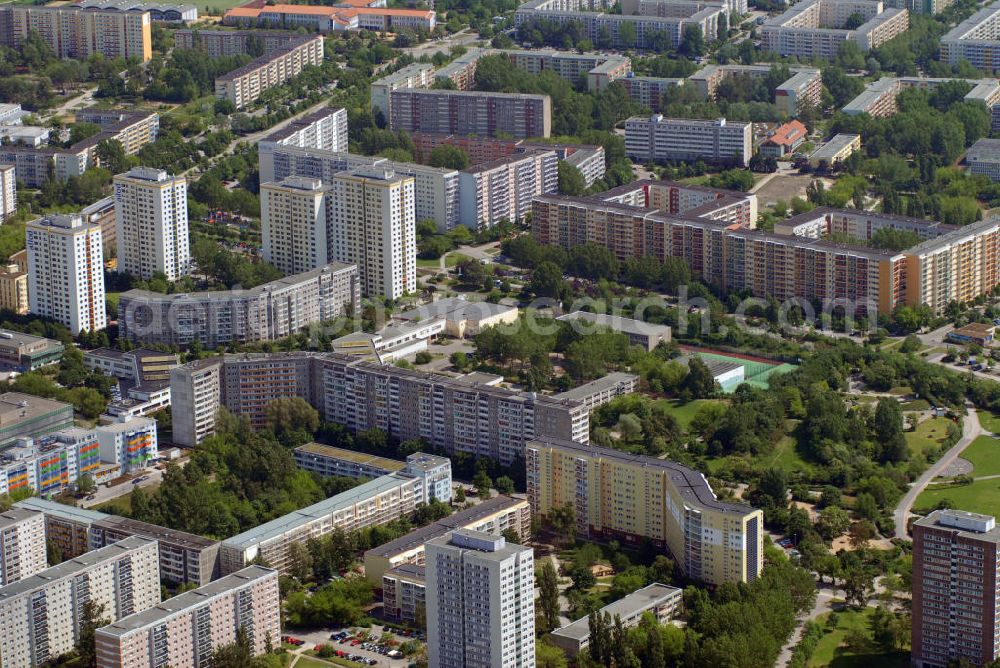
[[785, 455], [982, 496], [217, 8], [915, 405], [686, 412], [928, 433], [832, 650], [983, 453], [450, 261], [989, 421]]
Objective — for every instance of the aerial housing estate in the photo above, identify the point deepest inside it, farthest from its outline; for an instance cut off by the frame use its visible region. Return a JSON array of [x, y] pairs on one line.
[[976, 39], [77, 33], [815, 28], [362, 15], [667, 20], [633, 498], [451, 413], [715, 236]]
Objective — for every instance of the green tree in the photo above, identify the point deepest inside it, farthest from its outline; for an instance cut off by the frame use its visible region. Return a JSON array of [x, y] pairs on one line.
[[292, 419], [626, 35], [549, 656], [482, 483], [85, 484], [449, 156], [92, 617], [887, 425], [547, 281], [693, 42], [548, 596], [571, 180], [699, 382], [505, 485], [833, 521]]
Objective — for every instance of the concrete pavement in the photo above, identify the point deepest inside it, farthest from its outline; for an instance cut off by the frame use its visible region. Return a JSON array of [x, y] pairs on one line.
[[970, 430]]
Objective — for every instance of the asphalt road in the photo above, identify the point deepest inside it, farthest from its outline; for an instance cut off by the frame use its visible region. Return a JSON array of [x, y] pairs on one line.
[[970, 430]]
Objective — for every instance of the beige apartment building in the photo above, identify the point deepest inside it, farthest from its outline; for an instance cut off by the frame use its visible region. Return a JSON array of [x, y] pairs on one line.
[[372, 223], [22, 545], [633, 498], [493, 516], [41, 615], [77, 33], [187, 629], [152, 223], [14, 288], [451, 413], [244, 85], [376, 502], [293, 224]]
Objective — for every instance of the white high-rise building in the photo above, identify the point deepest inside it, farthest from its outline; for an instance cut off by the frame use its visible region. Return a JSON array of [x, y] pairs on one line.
[[22, 544], [294, 224], [372, 223], [66, 272], [40, 615], [8, 192], [480, 602], [152, 223]]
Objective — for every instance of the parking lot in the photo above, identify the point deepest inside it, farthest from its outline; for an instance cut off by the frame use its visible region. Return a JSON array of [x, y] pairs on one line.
[[369, 652]]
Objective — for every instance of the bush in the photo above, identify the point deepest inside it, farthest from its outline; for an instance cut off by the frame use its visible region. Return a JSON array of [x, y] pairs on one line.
[[423, 357]]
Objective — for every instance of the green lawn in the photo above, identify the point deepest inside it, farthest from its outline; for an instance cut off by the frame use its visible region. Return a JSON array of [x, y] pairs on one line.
[[685, 412], [990, 421], [217, 7], [982, 496], [983, 453], [785, 456], [928, 433], [831, 649], [450, 261], [915, 405]]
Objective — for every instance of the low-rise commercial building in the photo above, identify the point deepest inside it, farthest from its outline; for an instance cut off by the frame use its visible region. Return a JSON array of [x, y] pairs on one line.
[[183, 557], [839, 148], [635, 498], [659, 139], [662, 601], [28, 416], [24, 352], [187, 630], [332, 19], [493, 516], [271, 311], [976, 333], [784, 140], [462, 318], [159, 12], [41, 615], [22, 545], [245, 84], [644, 334]]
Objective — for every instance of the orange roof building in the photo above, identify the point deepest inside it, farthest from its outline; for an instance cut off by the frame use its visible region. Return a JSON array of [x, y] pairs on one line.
[[785, 139], [350, 15]]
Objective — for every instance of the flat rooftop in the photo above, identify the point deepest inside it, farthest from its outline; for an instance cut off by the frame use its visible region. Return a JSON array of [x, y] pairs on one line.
[[301, 123], [183, 539], [618, 323], [965, 524], [71, 567], [9, 339], [12, 516], [183, 603], [611, 380], [461, 519], [318, 511], [61, 510], [984, 150], [410, 572], [636, 602], [691, 484], [836, 144], [453, 308], [343, 454], [16, 407]]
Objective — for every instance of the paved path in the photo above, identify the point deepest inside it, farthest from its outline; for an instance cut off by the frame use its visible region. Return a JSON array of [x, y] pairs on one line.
[[970, 430]]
